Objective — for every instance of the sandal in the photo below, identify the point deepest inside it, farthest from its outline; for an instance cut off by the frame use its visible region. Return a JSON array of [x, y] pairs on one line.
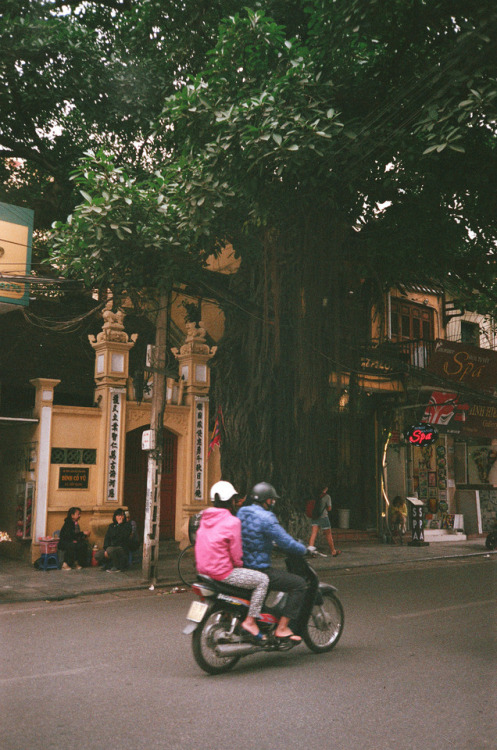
[[253, 637], [288, 638]]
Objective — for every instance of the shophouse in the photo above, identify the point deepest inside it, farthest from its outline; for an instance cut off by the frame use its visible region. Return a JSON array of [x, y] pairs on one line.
[[449, 383]]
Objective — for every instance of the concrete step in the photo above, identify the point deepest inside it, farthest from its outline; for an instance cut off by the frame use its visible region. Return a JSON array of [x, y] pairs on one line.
[[354, 535], [443, 535]]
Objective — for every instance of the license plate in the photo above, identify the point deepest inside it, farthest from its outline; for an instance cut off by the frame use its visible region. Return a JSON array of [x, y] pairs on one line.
[[197, 611]]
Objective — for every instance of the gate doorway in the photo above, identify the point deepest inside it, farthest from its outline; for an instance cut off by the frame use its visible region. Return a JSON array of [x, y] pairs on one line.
[[135, 481]]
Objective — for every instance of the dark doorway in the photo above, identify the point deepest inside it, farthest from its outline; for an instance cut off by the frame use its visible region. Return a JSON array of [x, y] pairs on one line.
[[135, 481]]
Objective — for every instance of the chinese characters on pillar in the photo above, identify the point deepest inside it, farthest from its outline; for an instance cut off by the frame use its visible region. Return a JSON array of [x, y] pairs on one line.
[[114, 433], [198, 449]]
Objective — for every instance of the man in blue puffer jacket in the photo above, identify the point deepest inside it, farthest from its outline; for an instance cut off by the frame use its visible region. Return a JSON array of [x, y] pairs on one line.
[[260, 528]]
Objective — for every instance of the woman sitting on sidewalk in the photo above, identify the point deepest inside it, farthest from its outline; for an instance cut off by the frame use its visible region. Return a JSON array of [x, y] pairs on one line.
[[73, 542], [114, 555]]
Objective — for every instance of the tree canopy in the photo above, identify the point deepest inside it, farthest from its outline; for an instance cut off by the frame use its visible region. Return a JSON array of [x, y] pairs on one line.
[[341, 147]]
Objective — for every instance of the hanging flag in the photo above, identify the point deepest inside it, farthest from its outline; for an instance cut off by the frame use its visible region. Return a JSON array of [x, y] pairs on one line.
[[215, 437]]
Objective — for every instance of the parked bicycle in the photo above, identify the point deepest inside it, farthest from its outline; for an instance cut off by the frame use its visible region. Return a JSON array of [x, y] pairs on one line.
[[186, 565], [187, 570]]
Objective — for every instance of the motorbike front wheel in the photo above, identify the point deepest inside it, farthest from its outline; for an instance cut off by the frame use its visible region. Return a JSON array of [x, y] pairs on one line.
[[211, 631], [325, 624]]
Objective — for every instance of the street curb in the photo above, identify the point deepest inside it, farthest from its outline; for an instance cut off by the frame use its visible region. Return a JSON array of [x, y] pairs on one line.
[[487, 553], [173, 582]]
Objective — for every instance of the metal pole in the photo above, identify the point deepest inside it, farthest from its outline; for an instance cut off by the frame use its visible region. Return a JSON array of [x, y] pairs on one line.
[[154, 466]]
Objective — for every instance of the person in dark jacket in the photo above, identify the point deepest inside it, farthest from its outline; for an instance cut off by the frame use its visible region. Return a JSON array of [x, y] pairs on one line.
[[73, 542], [114, 555], [260, 529]]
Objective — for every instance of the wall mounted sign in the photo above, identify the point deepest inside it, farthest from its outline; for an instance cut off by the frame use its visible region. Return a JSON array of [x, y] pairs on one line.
[[464, 363], [421, 434], [16, 233], [71, 478], [114, 445], [198, 449], [452, 412]]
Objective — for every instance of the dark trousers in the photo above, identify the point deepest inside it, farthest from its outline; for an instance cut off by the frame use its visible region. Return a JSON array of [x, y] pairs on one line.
[[117, 557], [295, 586], [75, 552]]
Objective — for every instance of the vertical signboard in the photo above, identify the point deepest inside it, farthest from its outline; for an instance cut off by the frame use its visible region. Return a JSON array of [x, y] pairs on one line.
[[16, 235], [199, 449], [114, 445]]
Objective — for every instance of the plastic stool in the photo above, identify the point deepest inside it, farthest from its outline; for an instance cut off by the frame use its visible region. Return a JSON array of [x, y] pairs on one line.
[[49, 561]]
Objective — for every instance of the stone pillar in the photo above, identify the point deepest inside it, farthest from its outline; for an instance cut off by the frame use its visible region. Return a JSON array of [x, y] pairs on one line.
[[43, 411], [111, 347], [192, 358]]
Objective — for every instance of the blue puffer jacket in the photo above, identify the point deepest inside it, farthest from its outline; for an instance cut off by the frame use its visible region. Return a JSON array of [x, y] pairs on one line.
[[260, 528]]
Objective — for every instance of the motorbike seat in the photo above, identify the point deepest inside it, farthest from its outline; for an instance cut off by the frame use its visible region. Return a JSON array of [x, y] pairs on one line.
[[225, 588]]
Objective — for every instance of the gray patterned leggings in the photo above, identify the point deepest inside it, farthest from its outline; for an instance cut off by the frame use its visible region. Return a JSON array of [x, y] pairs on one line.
[[250, 579]]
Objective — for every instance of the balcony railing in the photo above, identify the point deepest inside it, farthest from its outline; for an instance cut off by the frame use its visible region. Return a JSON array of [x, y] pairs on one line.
[[394, 356]]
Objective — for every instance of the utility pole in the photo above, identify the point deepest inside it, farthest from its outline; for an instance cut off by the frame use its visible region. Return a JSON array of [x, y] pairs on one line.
[[154, 465]]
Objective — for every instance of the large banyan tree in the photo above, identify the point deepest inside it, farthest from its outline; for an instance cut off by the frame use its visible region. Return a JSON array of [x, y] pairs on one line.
[[351, 154]]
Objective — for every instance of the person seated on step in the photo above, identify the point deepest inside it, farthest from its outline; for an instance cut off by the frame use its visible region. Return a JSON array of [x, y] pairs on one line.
[[218, 553], [114, 555], [74, 542], [398, 518]]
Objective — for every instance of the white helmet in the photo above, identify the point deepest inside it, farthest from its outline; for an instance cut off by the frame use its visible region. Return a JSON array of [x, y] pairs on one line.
[[222, 492]]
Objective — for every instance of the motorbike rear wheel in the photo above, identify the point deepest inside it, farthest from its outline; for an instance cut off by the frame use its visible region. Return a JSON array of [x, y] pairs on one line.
[[211, 631], [325, 624]]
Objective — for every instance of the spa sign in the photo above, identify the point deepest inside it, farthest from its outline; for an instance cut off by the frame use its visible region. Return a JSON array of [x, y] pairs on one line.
[[463, 363], [421, 434]]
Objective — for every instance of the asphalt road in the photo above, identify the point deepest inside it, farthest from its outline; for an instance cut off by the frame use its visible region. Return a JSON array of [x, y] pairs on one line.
[[415, 668]]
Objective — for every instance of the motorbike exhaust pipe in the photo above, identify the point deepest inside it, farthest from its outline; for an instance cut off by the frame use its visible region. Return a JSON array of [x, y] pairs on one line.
[[236, 649]]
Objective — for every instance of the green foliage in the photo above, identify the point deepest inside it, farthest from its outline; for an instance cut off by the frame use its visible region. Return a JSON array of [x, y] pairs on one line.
[[341, 146], [125, 235]]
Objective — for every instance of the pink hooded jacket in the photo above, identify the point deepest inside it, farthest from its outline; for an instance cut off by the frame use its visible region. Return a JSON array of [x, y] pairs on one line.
[[218, 546]]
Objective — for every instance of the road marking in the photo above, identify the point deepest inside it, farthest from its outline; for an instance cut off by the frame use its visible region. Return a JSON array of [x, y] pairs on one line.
[[427, 612], [45, 675]]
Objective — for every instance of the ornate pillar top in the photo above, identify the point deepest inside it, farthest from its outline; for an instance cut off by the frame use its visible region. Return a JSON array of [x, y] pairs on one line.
[[195, 341], [111, 348], [192, 358], [113, 327]]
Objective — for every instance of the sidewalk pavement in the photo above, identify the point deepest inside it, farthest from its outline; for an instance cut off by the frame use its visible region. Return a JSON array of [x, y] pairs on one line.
[[21, 582]]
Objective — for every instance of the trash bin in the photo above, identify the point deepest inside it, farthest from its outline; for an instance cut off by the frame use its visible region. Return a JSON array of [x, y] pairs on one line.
[[343, 518]]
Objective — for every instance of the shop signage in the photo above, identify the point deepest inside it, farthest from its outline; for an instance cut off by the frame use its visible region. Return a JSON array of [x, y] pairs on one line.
[[463, 363], [421, 434], [16, 232], [445, 407], [73, 479], [449, 410]]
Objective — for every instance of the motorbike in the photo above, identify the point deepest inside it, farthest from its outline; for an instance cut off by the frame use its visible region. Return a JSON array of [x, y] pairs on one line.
[[214, 619]]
